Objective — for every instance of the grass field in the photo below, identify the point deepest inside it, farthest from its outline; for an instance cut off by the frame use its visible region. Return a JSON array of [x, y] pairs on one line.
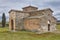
[[24, 35]]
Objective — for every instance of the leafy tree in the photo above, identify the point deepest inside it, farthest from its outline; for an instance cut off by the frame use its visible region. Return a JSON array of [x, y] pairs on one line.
[[3, 20]]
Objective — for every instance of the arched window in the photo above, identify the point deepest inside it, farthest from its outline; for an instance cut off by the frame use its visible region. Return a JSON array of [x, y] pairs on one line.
[[49, 25], [49, 21]]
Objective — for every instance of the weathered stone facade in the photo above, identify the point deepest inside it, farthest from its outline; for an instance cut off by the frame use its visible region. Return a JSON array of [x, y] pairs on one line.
[[32, 19]]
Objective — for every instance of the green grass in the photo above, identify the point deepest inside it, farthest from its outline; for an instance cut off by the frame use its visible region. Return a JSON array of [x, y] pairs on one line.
[[58, 27], [24, 35]]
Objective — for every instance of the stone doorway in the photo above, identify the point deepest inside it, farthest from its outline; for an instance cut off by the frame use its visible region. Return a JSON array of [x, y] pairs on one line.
[[48, 27], [12, 27]]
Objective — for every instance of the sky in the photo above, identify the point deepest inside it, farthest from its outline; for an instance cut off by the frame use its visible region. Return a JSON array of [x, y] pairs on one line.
[[7, 5]]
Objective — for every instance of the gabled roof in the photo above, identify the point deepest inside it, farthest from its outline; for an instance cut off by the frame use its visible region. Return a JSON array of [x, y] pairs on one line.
[[46, 9], [30, 7], [31, 11], [49, 9], [54, 18], [14, 10], [43, 10]]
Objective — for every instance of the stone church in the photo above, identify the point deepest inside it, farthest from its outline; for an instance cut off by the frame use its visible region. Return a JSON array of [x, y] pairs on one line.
[[32, 19]]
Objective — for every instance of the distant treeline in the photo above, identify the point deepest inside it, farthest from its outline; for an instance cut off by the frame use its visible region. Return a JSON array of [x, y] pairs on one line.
[[6, 25], [58, 22]]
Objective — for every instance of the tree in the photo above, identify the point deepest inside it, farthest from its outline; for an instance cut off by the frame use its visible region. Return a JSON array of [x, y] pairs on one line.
[[3, 20]]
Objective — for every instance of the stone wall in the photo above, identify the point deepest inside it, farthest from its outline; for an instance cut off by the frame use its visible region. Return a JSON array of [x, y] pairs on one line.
[[12, 18], [37, 13], [32, 24], [29, 9], [19, 19]]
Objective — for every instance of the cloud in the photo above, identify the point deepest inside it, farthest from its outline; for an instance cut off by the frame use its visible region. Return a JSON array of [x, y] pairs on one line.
[[6, 5]]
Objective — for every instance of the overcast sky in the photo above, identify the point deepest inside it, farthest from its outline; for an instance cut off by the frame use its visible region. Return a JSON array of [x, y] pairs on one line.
[[6, 5]]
